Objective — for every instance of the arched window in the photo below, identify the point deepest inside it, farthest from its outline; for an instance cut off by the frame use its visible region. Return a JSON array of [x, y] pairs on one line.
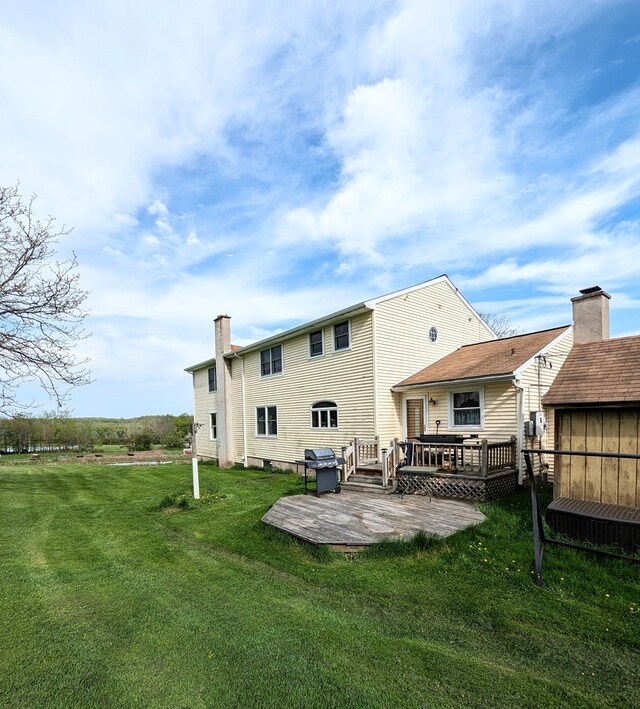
[[324, 414], [433, 333]]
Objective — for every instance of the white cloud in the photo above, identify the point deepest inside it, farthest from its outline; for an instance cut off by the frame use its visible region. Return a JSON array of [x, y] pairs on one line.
[[278, 161]]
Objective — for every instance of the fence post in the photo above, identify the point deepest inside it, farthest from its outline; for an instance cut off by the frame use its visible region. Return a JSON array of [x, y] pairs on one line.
[[343, 470], [484, 456], [385, 467], [514, 462]]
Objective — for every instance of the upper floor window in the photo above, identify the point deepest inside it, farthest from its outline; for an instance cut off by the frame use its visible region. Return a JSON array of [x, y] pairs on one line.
[[271, 361], [266, 421], [466, 408], [213, 381], [433, 333], [341, 336], [213, 426], [315, 343], [324, 414]]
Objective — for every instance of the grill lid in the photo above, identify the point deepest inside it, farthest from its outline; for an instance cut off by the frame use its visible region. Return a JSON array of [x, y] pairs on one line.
[[319, 454]]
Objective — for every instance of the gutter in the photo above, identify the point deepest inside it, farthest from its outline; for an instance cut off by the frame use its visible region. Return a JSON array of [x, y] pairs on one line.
[[453, 382]]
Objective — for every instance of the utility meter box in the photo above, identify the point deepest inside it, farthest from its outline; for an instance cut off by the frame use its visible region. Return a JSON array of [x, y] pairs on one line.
[[539, 421]]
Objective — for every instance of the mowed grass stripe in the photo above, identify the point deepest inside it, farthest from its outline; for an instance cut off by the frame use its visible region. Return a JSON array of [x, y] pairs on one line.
[[114, 603]]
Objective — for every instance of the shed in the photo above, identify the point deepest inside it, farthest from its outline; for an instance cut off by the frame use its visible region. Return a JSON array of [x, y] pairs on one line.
[[596, 402]]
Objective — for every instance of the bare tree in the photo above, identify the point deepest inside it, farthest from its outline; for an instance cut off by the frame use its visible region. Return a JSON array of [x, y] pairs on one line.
[[41, 306], [500, 324]]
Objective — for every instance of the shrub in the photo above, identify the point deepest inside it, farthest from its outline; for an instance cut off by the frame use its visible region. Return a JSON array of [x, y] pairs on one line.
[[140, 442]]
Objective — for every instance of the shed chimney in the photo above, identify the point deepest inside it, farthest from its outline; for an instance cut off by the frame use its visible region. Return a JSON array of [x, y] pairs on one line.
[[591, 315]]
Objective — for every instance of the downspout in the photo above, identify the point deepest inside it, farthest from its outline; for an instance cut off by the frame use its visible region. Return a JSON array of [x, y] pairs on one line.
[[375, 374], [520, 435], [244, 418]]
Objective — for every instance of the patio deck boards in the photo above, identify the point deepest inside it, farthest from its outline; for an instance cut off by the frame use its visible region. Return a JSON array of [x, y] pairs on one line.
[[354, 520]]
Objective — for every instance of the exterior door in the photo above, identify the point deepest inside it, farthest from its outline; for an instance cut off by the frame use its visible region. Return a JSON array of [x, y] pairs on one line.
[[415, 417]]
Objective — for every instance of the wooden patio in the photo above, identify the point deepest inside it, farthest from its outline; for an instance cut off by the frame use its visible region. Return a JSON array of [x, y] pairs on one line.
[[352, 521]]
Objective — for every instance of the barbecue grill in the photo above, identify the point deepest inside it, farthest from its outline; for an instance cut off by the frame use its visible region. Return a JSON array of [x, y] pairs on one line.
[[325, 464]]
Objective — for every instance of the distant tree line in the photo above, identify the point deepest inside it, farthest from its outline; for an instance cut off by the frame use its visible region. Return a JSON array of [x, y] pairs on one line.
[[59, 431]]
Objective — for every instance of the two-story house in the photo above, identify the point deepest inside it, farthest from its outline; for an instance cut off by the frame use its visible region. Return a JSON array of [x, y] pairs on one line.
[[329, 381]]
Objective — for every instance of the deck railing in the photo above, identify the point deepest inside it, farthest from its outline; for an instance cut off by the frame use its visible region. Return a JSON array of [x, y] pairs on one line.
[[479, 458], [367, 450], [391, 458], [349, 466]]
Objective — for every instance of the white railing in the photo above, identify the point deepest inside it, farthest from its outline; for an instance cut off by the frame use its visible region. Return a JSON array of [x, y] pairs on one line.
[[367, 451], [390, 460], [349, 466]]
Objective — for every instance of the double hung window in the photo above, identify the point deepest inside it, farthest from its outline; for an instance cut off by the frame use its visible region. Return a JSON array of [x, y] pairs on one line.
[[315, 343], [341, 336], [213, 380], [271, 361], [266, 421], [466, 408]]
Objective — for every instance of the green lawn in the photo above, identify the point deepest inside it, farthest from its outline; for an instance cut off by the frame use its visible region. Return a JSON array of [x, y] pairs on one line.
[[109, 601]]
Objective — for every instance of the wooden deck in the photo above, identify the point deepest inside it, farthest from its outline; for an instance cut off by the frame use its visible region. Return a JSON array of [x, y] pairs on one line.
[[351, 521]]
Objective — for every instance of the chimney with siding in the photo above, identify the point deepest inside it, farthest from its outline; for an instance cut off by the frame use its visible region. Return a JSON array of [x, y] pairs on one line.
[[591, 315], [223, 394]]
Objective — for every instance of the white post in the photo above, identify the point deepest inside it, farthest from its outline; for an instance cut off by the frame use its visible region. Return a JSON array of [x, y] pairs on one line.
[[196, 482], [194, 462]]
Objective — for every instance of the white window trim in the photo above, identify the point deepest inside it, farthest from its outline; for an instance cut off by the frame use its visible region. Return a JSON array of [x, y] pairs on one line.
[[277, 374], [457, 390], [324, 428], [333, 337], [211, 436], [312, 356], [266, 420]]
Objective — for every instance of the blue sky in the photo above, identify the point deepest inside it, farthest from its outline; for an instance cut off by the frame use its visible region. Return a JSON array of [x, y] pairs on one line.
[[279, 161]]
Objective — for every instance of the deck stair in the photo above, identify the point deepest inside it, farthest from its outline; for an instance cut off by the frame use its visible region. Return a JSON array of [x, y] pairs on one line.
[[367, 478]]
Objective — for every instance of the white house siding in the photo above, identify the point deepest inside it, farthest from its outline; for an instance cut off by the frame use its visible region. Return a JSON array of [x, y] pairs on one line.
[[500, 411], [204, 404], [345, 377], [556, 355], [403, 346]]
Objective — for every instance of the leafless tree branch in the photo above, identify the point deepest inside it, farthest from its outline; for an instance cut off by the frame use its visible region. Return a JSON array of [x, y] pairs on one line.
[[41, 306]]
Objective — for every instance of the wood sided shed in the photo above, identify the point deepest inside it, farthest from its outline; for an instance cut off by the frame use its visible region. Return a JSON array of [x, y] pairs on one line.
[[596, 402]]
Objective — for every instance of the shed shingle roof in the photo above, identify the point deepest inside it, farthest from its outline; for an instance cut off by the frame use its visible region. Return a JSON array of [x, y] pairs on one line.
[[603, 372], [493, 358]]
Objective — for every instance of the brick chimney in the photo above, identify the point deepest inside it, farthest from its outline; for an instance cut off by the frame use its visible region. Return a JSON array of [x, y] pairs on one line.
[[591, 315], [224, 403]]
